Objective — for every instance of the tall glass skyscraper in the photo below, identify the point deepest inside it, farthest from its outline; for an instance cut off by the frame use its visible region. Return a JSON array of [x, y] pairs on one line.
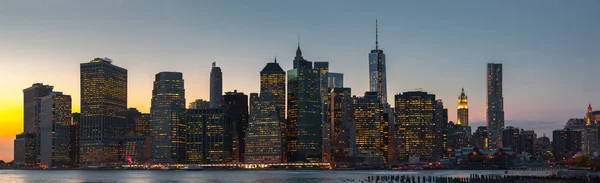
[[304, 131], [264, 142], [341, 118], [272, 79], [495, 105], [168, 115], [103, 111], [335, 80], [216, 86], [377, 80]]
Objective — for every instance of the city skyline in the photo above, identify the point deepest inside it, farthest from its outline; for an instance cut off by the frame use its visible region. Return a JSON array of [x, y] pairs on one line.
[[553, 80]]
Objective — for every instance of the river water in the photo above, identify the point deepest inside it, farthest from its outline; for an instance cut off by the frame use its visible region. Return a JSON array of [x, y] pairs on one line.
[[224, 176]]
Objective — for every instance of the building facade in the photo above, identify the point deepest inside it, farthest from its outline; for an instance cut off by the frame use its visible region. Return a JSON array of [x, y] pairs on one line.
[[341, 118], [495, 105], [216, 86], [55, 130], [103, 111], [272, 79], [199, 104], [237, 105], [209, 137], [462, 111], [168, 118], [24, 151], [565, 144], [32, 98], [371, 140], [589, 143], [527, 142], [323, 69], [74, 139], [264, 142], [416, 126]]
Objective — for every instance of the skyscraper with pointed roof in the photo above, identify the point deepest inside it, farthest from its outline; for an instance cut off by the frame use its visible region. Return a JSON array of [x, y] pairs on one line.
[[304, 138], [462, 110], [272, 79]]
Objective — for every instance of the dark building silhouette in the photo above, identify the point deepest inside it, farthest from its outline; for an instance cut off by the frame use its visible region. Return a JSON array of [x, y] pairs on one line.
[[24, 151], [565, 143], [74, 139], [168, 118], [199, 104], [32, 118], [441, 118], [209, 137], [237, 105], [55, 129], [527, 142], [495, 105], [304, 110], [510, 138], [103, 111], [341, 120], [216, 86]]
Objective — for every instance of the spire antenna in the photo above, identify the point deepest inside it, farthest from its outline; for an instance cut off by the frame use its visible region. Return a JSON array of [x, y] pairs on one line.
[[275, 59], [376, 36]]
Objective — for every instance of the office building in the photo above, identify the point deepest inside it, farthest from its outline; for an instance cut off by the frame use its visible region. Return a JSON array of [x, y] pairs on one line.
[[216, 86], [263, 141], [495, 105], [136, 149], [510, 138], [341, 114], [416, 125], [55, 130], [589, 139], [527, 142], [377, 70], [237, 105], [463, 109], [370, 126], [32, 97], [565, 144], [458, 137], [209, 137], [24, 151], [103, 111], [168, 118], [323, 69], [441, 118], [304, 121]]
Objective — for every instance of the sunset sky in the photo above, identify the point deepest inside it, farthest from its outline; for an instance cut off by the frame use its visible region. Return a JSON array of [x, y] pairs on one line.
[[550, 50]]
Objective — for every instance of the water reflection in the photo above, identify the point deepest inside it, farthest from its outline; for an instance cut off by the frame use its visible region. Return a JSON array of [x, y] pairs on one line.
[[210, 176]]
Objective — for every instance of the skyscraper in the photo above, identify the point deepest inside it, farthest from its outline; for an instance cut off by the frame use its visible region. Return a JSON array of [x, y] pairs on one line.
[[377, 71], [495, 105], [527, 142], [272, 79], [168, 118], [303, 127], [253, 98], [32, 97], [417, 126], [565, 144], [463, 109], [24, 151], [341, 116], [237, 105], [441, 118], [216, 86], [370, 128], [103, 111], [55, 129], [263, 141], [336, 80], [323, 69], [209, 137]]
